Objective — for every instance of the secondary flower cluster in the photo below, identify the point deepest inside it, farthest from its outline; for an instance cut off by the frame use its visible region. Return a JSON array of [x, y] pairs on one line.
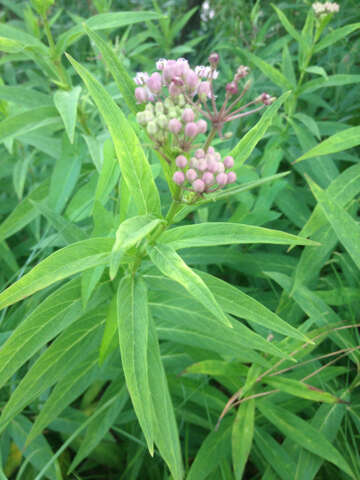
[[205, 172], [325, 8]]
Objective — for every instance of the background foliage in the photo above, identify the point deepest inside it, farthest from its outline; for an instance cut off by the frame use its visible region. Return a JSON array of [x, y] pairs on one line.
[[75, 405]]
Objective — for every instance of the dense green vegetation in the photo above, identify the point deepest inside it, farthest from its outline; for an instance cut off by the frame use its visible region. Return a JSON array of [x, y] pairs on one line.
[[153, 332]]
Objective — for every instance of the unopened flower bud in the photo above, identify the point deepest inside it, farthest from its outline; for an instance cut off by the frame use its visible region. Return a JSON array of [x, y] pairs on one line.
[[174, 89], [199, 153], [264, 98], [208, 178], [214, 59], [202, 165], [179, 178], [191, 175], [211, 150], [191, 80], [172, 113], [191, 129], [193, 162], [212, 166], [228, 162], [188, 115], [231, 177], [159, 107], [140, 118], [202, 126], [204, 90], [162, 120], [154, 83], [198, 186], [169, 103], [232, 88], [179, 82], [220, 168], [141, 94], [228, 134], [181, 161], [241, 72], [181, 100], [152, 128], [174, 125], [221, 179]]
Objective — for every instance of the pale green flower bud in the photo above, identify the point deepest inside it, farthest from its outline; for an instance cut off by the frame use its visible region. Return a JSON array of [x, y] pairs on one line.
[[169, 104], [173, 113], [149, 107], [162, 120], [148, 116], [152, 128], [140, 117], [159, 107], [181, 100]]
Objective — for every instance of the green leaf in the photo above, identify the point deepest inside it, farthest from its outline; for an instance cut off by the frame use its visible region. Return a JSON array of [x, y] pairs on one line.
[[317, 71], [54, 314], [242, 436], [75, 344], [65, 392], [299, 389], [221, 233], [37, 454], [171, 265], [123, 80], [213, 450], [249, 141], [346, 228], [133, 325], [309, 123], [62, 264], [8, 45], [42, 6], [27, 97], [24, 212], [330, 81], [133, 164], [236, 302], [286, 23], [166, 434], [110, 338], [28, 121], [268, 70], [302, 433], [336, 35], [129, 233], [66, 104], [103, 21], [336, 143], [287, 66]]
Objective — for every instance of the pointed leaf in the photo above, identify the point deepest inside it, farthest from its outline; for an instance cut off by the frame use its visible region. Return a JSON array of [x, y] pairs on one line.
[[66, 104], [242, 436]]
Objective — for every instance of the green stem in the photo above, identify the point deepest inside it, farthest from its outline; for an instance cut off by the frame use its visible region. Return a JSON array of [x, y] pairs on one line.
[[209, 139]]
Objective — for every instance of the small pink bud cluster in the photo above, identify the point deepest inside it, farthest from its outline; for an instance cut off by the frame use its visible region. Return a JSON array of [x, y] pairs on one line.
[[326, 8], [205, 172], [172, 116], [265, 98]]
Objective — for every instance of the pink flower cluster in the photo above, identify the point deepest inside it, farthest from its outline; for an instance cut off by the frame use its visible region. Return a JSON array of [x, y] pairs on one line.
[[177, 77], [205, 172]]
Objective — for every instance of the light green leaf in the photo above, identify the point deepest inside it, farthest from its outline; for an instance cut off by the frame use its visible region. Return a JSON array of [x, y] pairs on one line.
[[345, 227], [8, 45], [317, 71], [62, 264], [330, 81], [268, 70], [242, 436], [129, 233], [171, 265], [66, 104], [165, 428], [103, 21], [213, 450], [133, 326], [309, 123], [27, 97], [28, 121], [302, 433], [336, 35], [75, 344], [133, 164], [120, 74], [110, 339], [286, 23], [235, 302], [221, 233], [37, 454], [249, 141], [299, 389], [336, 143]]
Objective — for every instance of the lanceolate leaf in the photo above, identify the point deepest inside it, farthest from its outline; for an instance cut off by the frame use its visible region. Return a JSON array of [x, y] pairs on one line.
[[219, 233], [241, 152], [66, 104], [171, 265], [133, 326], [62, 264], [345, 227], [242, 436], [133, 164], [302, 433], [336, 143]]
